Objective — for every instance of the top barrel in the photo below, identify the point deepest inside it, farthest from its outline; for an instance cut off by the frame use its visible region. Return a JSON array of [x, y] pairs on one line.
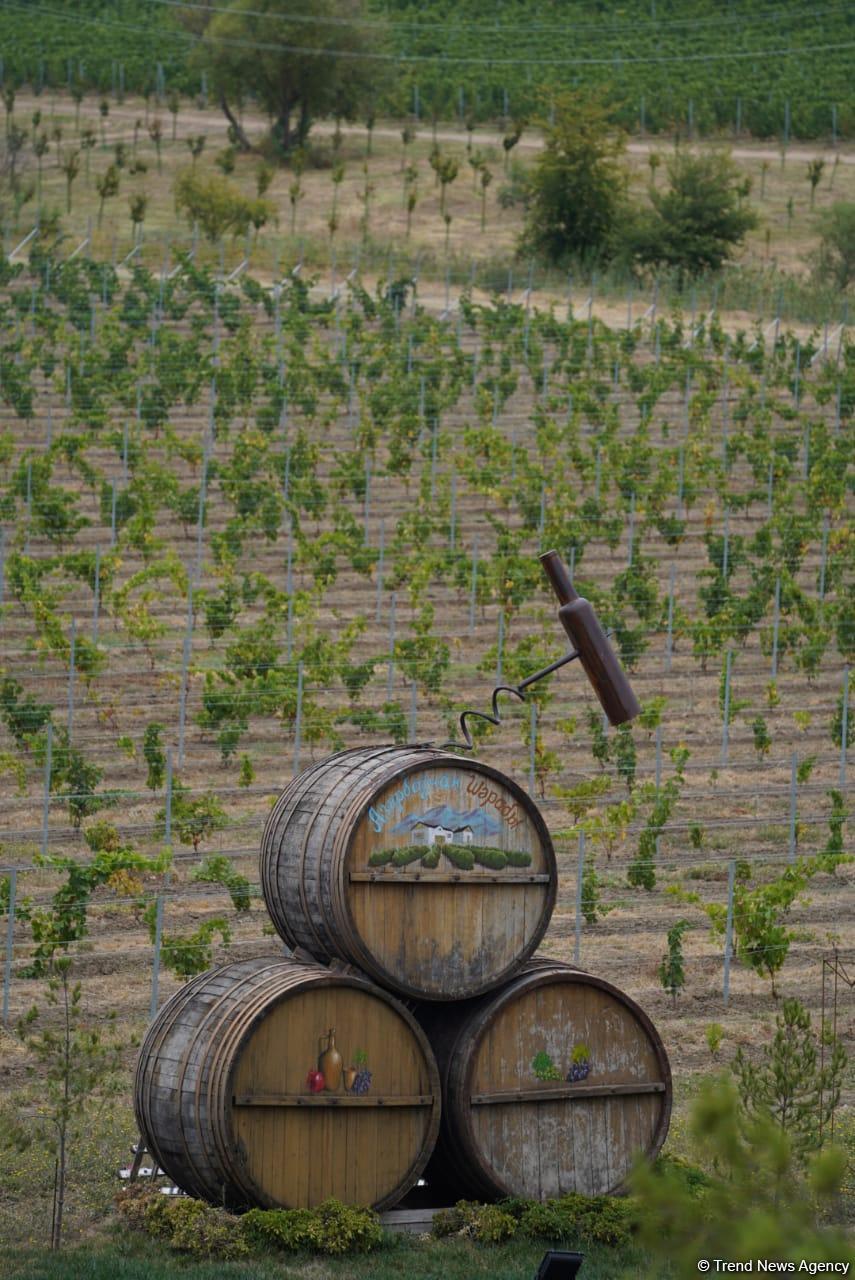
[[434, 874]]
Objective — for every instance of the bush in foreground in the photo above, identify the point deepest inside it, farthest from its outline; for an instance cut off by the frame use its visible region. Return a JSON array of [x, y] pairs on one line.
[[568, 1219], [191, 1226]]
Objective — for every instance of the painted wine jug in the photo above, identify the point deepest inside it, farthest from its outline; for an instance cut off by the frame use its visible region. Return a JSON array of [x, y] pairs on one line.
[[329, 1061]]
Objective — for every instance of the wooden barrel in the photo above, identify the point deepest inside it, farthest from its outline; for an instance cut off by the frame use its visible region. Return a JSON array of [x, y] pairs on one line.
[[435, 875], [508, 1129], [223, 1101]]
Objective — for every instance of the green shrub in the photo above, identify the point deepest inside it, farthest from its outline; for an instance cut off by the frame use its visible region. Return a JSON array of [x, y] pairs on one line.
[[331, 1228], [188, 1225], [198, 1229], [576, 187], [593, 1219], [690, 1177], [696, 224], [492, 1224], [760, 1199], [834, 261], [485, 1223], [278, 1228], [132, 1203]]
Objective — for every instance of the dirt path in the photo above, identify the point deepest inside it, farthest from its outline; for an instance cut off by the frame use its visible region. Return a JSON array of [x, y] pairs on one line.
[[191, 119]]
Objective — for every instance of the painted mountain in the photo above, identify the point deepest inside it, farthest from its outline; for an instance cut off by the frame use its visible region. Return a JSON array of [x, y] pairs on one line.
[[481, 823]]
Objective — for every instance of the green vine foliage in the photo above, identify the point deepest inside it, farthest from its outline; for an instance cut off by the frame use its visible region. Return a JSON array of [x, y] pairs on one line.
[[671, 972], [218, 869], [194, 817], [64, 922], [641, 872], [154, 756], [761, 936], [189, 953]]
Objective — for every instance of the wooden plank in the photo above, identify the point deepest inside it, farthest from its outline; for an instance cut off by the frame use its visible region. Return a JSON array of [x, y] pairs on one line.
[[548, 1093], [407, 878], [337, 1100]]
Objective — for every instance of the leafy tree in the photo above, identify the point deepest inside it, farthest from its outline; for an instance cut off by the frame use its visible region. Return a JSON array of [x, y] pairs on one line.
[[70, 166], [75, 1066], [577, 186], [788, 1085], [173, 102], [226, 160], [814, 173], [287, 65], [834, 260], [696, 223], [510, 139], [155, 132], [217, 205], [486, 178], [196, 145], [41, 146], [671, 973], [759, 1200], [88, 141], [107, 186], [137, 204]]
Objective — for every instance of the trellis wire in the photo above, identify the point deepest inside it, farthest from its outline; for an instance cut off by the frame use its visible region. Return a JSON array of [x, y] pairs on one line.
[[580, 871]]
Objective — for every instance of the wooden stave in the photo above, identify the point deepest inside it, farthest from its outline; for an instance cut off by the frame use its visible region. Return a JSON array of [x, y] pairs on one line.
[[209, 1165], [457, 1169], [313, 927], [333, 931]]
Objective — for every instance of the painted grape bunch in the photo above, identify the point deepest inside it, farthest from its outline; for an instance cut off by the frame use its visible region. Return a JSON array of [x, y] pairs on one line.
[[361, 1081], [580, 1065]]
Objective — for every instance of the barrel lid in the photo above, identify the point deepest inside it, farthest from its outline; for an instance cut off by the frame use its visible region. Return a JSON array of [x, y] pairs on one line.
[[449, 876], [562, 1062]]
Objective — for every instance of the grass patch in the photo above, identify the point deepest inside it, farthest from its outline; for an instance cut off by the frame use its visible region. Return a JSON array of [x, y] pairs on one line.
[[140, 1258]]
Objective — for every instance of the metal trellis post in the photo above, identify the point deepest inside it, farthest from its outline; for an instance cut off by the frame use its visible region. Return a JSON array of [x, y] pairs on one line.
[[46, 807], [728, 929], [580, 870], [10, 943], [155, 970]]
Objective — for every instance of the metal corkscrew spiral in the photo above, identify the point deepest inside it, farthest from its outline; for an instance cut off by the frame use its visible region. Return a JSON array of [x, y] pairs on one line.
[[591, 646]]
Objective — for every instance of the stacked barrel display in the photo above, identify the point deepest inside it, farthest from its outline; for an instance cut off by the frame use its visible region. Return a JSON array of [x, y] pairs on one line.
[[410, 1034]]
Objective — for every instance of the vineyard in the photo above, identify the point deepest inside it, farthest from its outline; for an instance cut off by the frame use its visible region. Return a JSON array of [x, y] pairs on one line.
[[246, 525], [781, 72]]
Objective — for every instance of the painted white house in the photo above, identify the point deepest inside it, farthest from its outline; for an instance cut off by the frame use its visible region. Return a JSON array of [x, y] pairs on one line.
[[425, 833]]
